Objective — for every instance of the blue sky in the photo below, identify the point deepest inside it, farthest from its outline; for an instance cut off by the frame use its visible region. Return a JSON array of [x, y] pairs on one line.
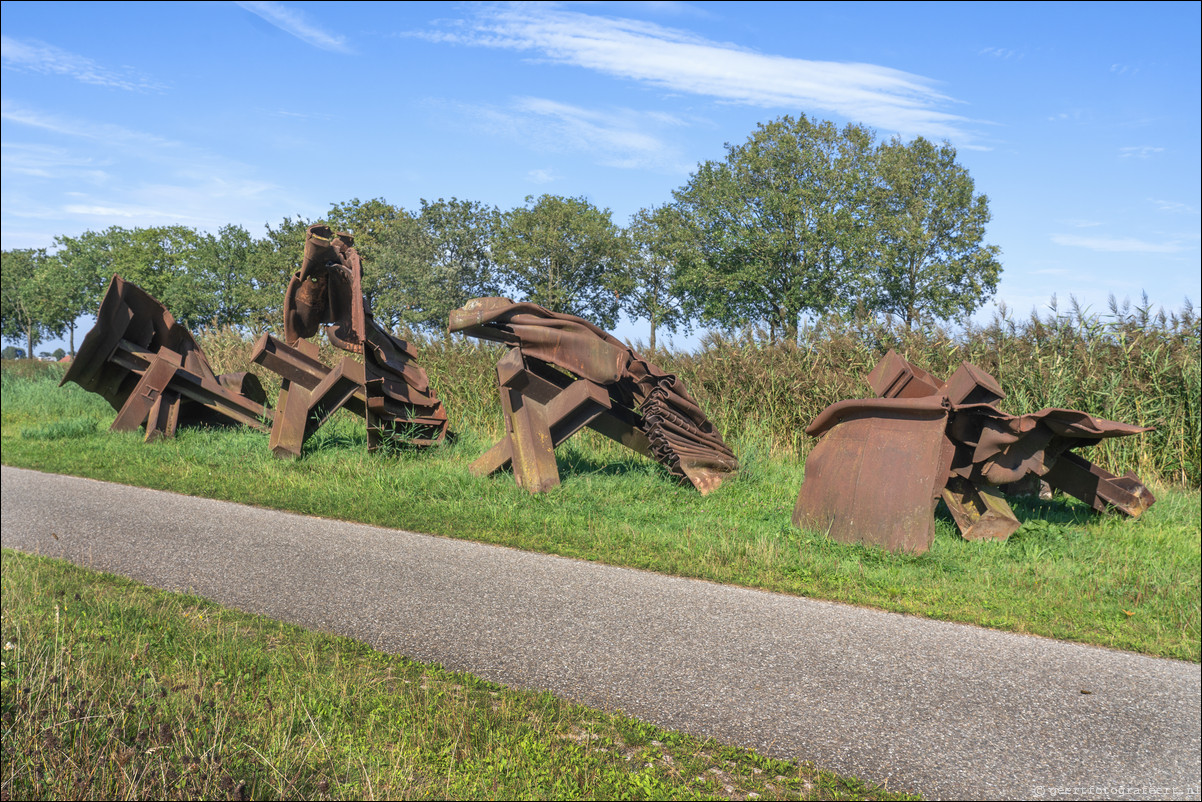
[[1079, 121]]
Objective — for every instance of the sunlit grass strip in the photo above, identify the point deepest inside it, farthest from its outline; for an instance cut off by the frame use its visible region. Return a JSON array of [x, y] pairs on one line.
[[112, 690], [1068, 573]]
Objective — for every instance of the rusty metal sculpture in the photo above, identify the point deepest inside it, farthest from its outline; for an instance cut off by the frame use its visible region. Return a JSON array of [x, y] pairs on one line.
[[883, 463], [153, 373], [388, 389], [562, 374]]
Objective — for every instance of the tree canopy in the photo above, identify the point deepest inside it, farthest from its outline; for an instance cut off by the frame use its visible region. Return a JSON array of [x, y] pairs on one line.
[[779, 225], [931, 261], [658, 237], [805, 217], [565, 254], [28, 310]]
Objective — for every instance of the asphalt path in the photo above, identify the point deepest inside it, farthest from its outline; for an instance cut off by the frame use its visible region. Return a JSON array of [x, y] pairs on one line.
[[945, 710]]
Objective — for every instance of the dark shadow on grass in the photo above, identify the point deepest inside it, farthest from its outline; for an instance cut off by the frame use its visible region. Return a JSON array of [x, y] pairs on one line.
[[573, 461], [1060, 509]]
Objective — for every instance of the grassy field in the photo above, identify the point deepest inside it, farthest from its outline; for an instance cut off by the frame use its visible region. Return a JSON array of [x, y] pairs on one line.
[[1068, 573], [112, 690]]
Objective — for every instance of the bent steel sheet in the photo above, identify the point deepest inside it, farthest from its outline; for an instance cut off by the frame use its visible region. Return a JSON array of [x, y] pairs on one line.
[[868, 477], [651, 411], [152, 371], [876, 475]]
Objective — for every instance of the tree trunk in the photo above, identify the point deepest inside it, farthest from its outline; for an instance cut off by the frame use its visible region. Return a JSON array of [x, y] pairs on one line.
[[792, 324]]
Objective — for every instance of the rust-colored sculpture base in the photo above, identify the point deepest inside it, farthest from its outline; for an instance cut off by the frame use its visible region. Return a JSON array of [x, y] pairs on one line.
[[312, 392], [882, 464], [387, 388], [563, 374], [543, 408], [154, 374]]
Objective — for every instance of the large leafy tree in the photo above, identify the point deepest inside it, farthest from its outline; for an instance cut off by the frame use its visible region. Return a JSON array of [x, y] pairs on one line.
[[779, 225], [462, 268], [28, 309], [272, 260], [163, 260], [223, 266], [932, 263], [659, 238], [565, 254], [437, 260], [377, 226], [78, 280]]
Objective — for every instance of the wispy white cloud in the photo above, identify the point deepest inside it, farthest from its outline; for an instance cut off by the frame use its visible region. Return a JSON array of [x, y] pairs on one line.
[[542, 176], [107, 133], [621, 133], [139, 213], [34, 56], [1116, 244], [1139, 151], [1072, 116], [1003, 53], [681, 61], [49, 162], [96, 174], [1176, 207], [294, 22], [617, 137]]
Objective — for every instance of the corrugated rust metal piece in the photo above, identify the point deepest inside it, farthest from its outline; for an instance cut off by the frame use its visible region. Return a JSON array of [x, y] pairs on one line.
[[872, 476], [563, 374], [154, 374], [387, 389]]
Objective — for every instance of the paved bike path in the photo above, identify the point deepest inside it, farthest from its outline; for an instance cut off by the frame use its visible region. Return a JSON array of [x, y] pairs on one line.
[[945, 710]]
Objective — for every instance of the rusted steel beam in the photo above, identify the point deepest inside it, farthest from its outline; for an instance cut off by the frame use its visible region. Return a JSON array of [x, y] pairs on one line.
[[151, 370], [1098, 488], [387, 389], [980, 511], [195, 382], [564, 373], [873, 471], [147, 391]]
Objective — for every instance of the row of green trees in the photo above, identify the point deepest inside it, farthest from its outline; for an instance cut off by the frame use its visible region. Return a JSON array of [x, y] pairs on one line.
[[804, 218]]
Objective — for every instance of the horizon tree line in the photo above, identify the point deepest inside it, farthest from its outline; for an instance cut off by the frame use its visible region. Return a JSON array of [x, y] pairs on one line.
[[804, 218]]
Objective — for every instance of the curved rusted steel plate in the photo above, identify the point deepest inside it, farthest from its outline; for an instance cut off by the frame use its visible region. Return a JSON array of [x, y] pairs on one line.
[[862, 490], [153, 372], [680, 436], [876, 475]]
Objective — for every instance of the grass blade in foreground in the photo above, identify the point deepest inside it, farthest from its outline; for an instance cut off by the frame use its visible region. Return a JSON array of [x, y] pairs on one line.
[[112, 689]]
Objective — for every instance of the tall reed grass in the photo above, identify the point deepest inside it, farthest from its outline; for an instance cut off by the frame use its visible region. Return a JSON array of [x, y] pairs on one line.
[[1129, 365]]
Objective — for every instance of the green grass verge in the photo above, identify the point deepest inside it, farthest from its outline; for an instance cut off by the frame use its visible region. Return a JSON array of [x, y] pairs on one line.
[[1068, 573], [113, 690]]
